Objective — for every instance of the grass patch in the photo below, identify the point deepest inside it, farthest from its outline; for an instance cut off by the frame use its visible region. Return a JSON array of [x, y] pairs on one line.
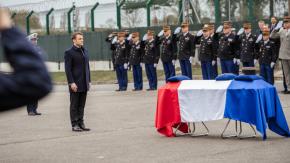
[[109, 77]]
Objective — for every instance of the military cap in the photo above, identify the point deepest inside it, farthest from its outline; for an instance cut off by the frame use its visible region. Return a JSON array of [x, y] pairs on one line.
[[150, 32], [184, 24], [206, 28], [135, 34], [227, 24], [211, 26], [33, 36], [121, 34], [286, 19], [247, 25], [166, 28]]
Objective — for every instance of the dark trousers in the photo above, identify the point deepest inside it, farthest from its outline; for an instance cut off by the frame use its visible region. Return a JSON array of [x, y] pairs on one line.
[[186, 69], [228, 66], [284, 79], [151, 75], [215, 71], [267, 73], [207, 70], [248, 64], [169, 70], [137, 76], [122, 77], [77, 106], [32, 107]]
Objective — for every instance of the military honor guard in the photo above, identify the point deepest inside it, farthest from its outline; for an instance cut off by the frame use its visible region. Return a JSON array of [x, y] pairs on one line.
[[247, 43], [215, 41], [267, 56], [120, 47], [227, 51], [109, 39], [168, 52], [282, 31], [135, 60], [207, 54], [151, 58], [186, 49]]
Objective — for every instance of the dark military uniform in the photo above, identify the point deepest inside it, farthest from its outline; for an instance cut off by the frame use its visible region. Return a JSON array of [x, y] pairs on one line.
[[227, 51], [135, 59], [247, 49], [266, 53], [215, 42], [151, 57], [207, 54], [186, 49], [109, 40], [168, 54], [121, 59]]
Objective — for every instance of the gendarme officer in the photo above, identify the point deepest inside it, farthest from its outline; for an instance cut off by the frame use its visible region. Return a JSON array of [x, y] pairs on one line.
[[168, 52], [186, 49], [247, 43]]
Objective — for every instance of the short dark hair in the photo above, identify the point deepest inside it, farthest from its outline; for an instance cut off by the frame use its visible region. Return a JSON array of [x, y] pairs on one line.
[[74, 35]]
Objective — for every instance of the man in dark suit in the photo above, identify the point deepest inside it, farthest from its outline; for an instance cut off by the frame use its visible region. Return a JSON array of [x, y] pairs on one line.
[[78, 76], [30, 79]]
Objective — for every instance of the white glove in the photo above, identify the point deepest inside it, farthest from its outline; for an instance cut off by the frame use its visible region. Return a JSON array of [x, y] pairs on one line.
[[213, 62], [219, 29], [129, 37], [114, 40], [142, 65], [255, 61], [199, 33], [272, 64], [190, 59], [278, 26], [110, 35], [126, 66], [145, 37], [235, 60], [241, 31], [259, 38], [177, 30], [161, 33], [173, 62], [155, 65], [238, 61]]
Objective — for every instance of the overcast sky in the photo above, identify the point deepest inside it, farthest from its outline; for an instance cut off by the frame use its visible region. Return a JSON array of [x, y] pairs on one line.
[[17, 2]]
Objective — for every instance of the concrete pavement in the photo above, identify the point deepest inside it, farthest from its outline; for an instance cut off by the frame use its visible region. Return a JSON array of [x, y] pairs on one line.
[[123, 130]]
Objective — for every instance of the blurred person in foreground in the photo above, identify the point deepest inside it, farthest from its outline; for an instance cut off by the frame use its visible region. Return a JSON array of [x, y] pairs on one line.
[[29, 80]]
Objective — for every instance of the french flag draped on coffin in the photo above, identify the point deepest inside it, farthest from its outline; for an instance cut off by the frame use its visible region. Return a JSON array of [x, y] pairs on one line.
[[245, 98]]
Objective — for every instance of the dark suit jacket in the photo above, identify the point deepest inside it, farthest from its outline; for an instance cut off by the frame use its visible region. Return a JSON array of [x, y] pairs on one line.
[[77, 68], [30, 79]]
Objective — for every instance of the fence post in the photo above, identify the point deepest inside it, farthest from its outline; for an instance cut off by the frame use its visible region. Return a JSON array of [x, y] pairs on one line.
[[47, 21], [93, 16], [28, 22]]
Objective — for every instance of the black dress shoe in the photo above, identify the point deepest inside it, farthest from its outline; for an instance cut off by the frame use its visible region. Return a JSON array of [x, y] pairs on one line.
[[37, 113], [286, 92], [83, 127], [117, 90], [149, 89], [31, 114], [76, 129]]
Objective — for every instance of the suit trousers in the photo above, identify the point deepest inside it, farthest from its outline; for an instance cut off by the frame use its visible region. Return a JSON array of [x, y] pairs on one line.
[[77, 106]]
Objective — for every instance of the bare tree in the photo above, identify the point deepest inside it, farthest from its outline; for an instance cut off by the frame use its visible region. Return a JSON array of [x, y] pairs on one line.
[[132, 18]]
